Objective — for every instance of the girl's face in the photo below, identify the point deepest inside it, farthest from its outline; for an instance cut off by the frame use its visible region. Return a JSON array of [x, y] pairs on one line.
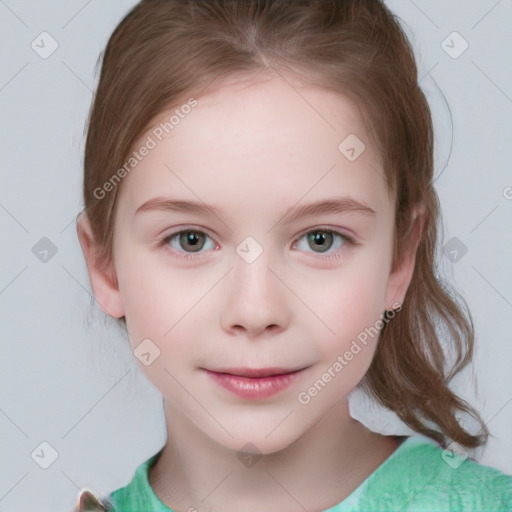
[[286, 265]]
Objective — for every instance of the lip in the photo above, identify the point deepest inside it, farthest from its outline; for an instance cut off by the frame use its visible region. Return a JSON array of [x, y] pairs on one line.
[[255, 383]]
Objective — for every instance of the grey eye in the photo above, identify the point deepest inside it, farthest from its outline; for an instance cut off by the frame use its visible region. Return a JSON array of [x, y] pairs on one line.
[[192, 240], [321, 240]]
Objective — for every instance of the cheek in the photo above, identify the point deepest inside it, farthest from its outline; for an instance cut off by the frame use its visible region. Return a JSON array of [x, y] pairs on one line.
[[149, 301], [162, 304], [352, 311], [350, 305], [158, 309], [352, 299]]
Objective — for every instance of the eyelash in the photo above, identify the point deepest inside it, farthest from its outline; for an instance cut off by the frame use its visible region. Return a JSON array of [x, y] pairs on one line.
[[348, 242]]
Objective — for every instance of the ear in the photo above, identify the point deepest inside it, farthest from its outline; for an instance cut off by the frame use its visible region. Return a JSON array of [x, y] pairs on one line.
[[103, 279], [403, 269]]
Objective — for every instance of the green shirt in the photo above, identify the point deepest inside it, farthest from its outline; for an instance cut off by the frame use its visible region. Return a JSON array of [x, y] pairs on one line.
[[418, 476]]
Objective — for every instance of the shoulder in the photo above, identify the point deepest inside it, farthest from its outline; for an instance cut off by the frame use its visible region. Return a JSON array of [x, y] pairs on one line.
[[137, 494], [421, 476]]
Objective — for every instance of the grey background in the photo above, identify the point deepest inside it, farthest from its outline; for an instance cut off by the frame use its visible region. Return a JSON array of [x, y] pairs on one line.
[[67, 376]]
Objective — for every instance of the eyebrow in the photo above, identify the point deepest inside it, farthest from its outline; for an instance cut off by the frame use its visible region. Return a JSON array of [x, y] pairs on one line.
[[332, 205], [164, 204]]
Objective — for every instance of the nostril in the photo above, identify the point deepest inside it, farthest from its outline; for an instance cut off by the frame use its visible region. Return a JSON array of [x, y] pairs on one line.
[[241, 328]]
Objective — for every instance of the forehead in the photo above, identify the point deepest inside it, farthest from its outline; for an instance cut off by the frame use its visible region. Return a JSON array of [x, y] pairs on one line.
[[271, 136]]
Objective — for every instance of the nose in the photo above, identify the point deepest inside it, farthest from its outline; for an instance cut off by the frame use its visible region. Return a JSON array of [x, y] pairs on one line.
[[255, 300]]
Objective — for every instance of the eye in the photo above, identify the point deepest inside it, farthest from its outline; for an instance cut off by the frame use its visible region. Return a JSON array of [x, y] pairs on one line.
[[321, 240], [189, 240]]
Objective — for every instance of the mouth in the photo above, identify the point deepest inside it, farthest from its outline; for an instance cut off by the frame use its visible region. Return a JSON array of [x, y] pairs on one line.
[[256, 373], [255, 383]]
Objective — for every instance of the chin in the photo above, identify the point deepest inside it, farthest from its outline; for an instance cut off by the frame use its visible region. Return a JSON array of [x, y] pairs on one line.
[[258, 441]]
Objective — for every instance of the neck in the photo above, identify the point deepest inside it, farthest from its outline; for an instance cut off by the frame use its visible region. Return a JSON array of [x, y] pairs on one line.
[[332, 458]]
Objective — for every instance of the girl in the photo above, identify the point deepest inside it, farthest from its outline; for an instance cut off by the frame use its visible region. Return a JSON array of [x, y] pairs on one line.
[[260, 213]]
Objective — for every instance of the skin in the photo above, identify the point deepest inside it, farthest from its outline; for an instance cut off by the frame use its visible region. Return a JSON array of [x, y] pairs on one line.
[[255, 148]]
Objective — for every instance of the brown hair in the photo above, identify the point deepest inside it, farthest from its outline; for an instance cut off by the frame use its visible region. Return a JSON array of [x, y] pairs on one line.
[[165, 51]]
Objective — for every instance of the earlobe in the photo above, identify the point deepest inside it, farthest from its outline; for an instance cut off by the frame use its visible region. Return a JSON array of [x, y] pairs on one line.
[[103, 279], [401, 275]]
